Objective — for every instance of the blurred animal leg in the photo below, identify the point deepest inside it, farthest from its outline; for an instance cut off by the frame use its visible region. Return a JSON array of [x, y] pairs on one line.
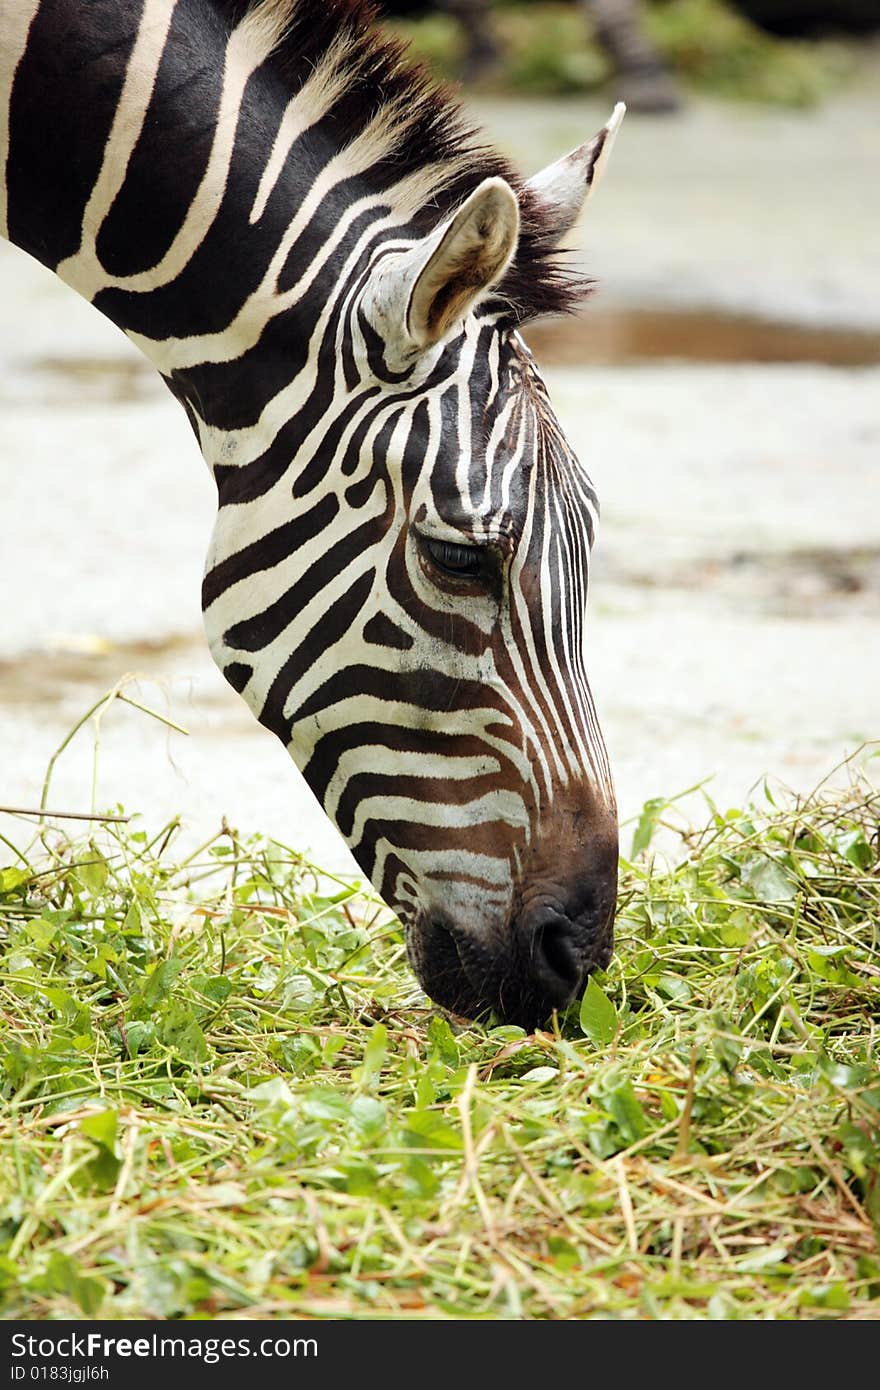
[[482, 55], [644, 81]]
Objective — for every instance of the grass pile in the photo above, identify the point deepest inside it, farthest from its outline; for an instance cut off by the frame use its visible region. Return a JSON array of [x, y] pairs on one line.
[[225, 1096]]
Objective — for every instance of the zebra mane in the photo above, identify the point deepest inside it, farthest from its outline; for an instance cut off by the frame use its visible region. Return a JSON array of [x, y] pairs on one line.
[[414, 131]]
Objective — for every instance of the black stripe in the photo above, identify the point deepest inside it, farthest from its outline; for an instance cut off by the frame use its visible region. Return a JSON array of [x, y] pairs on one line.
[[335, 623], [491, 839], [399, 738], [238, 673], [257, 632], [171, 154], [380, 631], [430, 791], [426, 689], [269, 550], [63, 101]]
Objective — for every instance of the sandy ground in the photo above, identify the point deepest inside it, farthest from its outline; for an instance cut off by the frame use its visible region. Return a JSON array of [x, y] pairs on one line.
[[735, 629]]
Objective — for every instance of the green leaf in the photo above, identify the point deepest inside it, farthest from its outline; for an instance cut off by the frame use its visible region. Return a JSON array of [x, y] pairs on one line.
[[272, 1094], [160, 983], [674, 988], [300, 1054], [420, 1176], [644, 831], [443, 1043], [425, 1129], [738, 930], [844, 1076], [93, 872], [426, 1091], [361, 1179], [140, 1036], [368, 1114], [768, 879], [102, 1127], [324, 1104], [40, 931], [598, 1015], [723, 1307], [180, 1031], [771, 1258], [333, 1045], [854, 847], [822, 963], [627, 1113], [63, 1276], [799, 1179], [11, 878], [298, 993], [506, 1032], [727, 1051], [563, 1254], [133, 924], [60, 1000], [824, 1296], [375, 1052], [217, 988]]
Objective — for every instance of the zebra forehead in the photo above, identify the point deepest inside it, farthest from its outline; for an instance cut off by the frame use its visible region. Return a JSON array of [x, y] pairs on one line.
[[495, 459]]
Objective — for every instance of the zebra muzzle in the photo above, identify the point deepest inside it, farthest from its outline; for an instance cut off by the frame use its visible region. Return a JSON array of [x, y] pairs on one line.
[[539, 963]]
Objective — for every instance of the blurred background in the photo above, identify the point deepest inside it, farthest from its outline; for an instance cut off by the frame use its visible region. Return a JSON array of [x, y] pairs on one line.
[[722, 385]]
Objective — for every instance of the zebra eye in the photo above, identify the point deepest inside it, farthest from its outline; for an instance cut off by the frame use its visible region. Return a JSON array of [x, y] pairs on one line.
[[462, 561]]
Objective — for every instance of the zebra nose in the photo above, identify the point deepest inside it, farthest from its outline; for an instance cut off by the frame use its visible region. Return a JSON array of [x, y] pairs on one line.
[[538, 962], [560, 939], [556, 956]]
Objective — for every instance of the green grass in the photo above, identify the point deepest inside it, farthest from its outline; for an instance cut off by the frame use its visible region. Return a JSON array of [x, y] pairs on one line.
[[225, 1095]]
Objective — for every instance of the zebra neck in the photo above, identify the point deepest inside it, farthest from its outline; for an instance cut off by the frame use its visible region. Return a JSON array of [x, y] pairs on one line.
[[159, 164]]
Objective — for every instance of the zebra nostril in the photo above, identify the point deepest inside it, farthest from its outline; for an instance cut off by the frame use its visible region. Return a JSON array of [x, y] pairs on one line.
[[556, 958]]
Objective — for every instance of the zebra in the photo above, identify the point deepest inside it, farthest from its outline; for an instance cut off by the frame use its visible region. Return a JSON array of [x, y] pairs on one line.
[[330, 270]]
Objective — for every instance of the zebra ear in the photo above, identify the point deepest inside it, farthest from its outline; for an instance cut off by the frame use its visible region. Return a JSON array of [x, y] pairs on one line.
[[474, 249], [416, 297], [564, 187]]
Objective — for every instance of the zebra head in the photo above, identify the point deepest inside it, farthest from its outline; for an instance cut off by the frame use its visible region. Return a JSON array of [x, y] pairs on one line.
[[302, 236], [330, 274], [403, 604]]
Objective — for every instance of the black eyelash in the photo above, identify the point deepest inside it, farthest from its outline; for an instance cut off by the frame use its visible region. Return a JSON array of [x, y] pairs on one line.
[[461, 561]]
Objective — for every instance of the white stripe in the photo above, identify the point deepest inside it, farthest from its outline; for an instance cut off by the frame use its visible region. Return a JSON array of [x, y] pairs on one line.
[[311, 103], [502, 808], [248, 47], [83, 270], [392, 762], [422, 864]]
